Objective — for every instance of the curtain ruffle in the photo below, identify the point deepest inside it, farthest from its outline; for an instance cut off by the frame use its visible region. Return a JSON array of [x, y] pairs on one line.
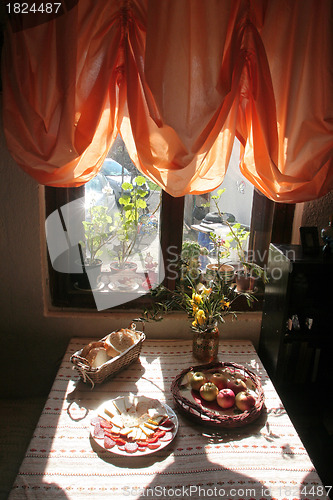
[[179, 80]]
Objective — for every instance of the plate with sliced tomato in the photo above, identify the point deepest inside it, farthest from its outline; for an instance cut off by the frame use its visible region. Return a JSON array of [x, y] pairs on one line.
[[133, 425]]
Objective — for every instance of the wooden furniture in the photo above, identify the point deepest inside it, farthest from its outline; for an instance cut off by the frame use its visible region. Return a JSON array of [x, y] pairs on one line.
[[265, 459], [296, 333]]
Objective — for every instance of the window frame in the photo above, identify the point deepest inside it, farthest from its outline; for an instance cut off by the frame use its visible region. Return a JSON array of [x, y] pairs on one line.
[[264, 230]]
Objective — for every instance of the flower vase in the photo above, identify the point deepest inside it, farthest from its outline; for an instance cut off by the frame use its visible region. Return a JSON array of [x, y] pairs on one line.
[[206, 344]]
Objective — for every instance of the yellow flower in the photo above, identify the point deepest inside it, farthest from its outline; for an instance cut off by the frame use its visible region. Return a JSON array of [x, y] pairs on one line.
[[196, 298], [225, 303], [200, 317], [205, 291], [195, 308]]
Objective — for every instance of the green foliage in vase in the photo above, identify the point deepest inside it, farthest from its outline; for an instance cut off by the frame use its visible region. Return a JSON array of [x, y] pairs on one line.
[[205, 304]]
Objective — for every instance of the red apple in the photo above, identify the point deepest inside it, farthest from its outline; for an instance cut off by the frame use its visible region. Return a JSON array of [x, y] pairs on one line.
[[198, 379], [236, 385], [225, 398], [220, 380], [244, 400], [209, 391]]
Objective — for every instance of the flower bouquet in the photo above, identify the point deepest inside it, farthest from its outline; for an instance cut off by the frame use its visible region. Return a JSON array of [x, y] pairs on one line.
[[206, 305]]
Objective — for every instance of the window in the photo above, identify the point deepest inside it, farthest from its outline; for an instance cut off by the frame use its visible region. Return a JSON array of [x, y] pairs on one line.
[[203, 214], [150, 241], [133, 204]]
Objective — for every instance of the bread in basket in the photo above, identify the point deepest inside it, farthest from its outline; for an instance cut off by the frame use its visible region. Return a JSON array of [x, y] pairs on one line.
[[100, 360]]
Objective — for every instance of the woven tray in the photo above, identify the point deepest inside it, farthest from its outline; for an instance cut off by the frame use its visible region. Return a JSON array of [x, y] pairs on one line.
[[110, 368], [203, 415]]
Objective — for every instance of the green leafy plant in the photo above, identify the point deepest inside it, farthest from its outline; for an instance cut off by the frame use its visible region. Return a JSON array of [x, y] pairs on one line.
[[191, 252], [239, 235], [220, 249], [98, 232], [126, 221]]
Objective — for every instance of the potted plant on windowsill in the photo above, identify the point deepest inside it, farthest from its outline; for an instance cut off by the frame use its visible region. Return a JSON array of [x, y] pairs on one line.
[[133, 205], [219, 253], [98, 232], [249, 272], [193, 258]]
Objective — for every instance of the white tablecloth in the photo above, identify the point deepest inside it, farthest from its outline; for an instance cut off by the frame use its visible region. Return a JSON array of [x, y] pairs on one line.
[[263, 460]]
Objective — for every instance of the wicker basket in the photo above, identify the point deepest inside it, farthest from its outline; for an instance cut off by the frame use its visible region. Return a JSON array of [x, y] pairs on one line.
[[110, 368], [205, 416]]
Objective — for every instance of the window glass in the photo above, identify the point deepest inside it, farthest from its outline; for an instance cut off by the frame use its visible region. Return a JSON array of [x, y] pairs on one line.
[[157, 230], [122, 217], [207, 217]]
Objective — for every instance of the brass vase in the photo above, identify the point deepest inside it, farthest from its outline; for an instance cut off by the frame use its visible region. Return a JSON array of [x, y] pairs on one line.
[[206, 344]]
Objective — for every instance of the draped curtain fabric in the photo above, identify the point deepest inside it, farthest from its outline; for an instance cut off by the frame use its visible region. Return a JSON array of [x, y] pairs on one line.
[[179, 80]]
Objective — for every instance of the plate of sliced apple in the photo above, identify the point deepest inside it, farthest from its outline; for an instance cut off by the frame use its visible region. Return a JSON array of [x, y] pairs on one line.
[[133, 425]]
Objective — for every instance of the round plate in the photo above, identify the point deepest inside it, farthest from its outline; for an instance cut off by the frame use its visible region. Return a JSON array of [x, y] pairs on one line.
[[193, 406], [116, 451]]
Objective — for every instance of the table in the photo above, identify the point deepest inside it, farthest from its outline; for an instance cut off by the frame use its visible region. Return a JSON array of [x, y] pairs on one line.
[[263, 460]]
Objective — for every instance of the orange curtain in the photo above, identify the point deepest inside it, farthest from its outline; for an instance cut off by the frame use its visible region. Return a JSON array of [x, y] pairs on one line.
[[179, 79], [288, 154]]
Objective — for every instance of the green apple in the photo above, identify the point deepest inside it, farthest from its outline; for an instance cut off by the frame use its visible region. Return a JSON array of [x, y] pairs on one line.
[[197, 380], [244, 401], [209, 391]]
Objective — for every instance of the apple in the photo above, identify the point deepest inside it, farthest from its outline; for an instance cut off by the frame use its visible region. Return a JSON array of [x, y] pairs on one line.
[[241, 376], [197, 380], [209, 391], [236, 385], [244, 400], [225, 398], [227, 372], [220, 380]]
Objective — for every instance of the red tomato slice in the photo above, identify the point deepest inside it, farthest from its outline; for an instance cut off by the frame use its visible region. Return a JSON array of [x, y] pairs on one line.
[[154, 446], [142, 444], [153, 439], [120, 442], [106, 425], [160, 433]]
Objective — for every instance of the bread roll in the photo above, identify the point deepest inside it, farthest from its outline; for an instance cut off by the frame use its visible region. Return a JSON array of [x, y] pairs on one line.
[[118, 342], [88, 347], [97, 356], [110, 349]]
